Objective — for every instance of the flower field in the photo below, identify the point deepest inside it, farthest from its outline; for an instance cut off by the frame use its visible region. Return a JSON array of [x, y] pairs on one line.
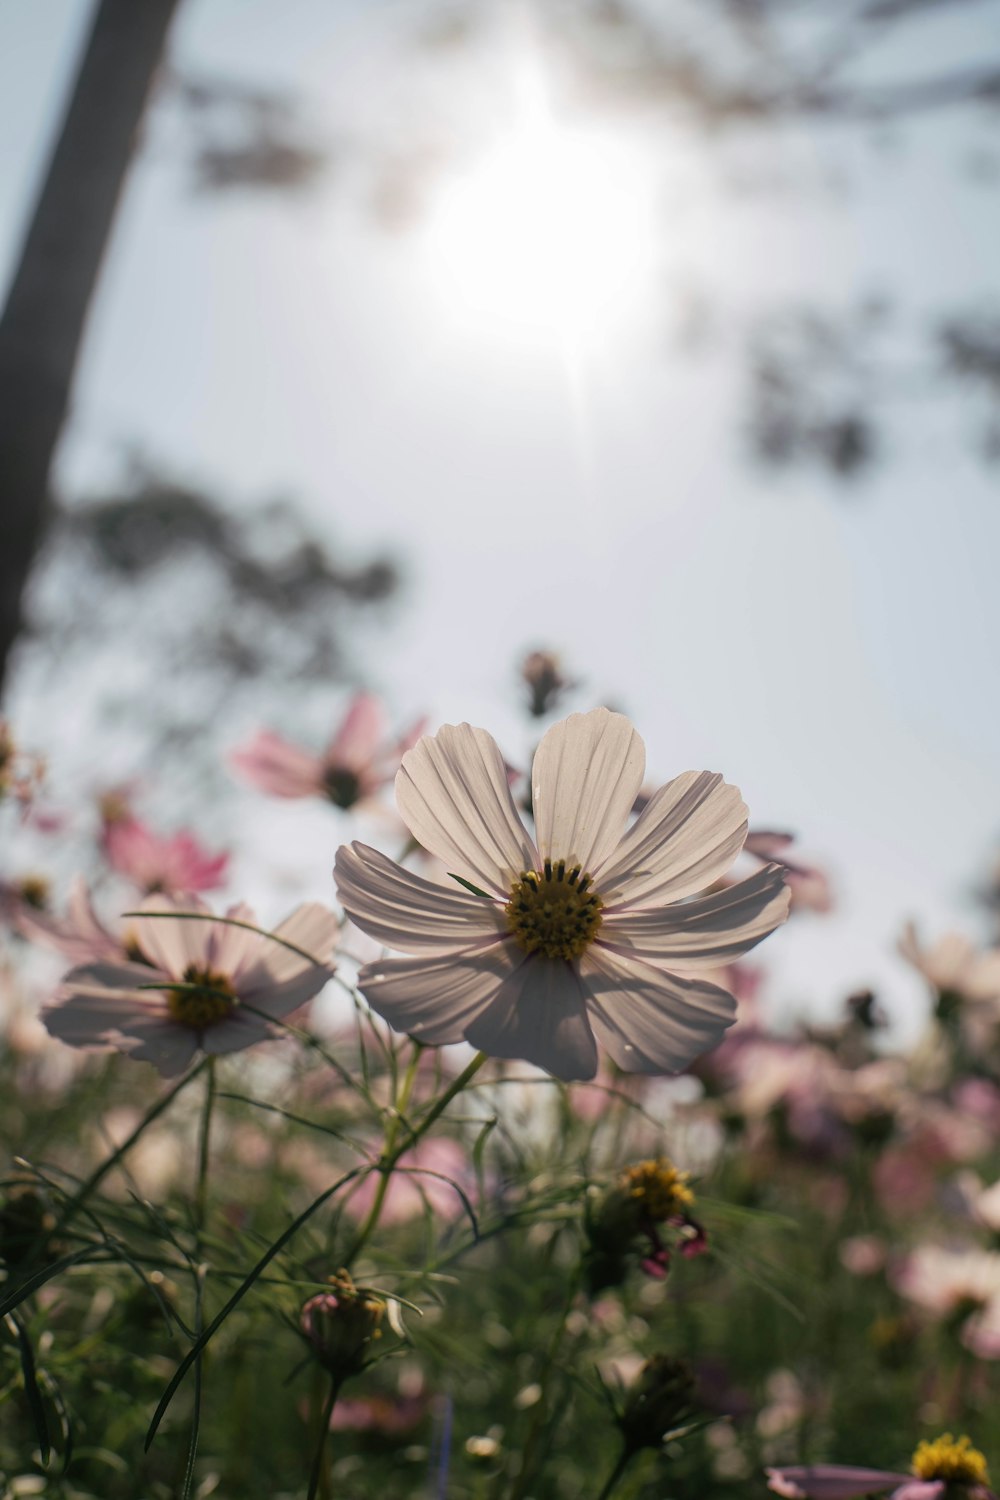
[[487, 1173]]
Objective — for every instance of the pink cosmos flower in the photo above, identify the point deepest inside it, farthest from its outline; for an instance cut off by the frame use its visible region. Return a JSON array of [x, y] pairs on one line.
[[945, 1469], [950, 1282], [809, 885], [205, 984], [157, 863], [954, 965], [584, 933], [356, 763], [80, 936]]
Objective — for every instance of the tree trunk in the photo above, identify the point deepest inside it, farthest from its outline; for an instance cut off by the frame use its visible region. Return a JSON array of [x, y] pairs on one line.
[[42, 325]]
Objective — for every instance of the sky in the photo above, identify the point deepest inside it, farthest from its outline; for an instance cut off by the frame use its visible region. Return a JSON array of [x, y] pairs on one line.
[[566, 464]]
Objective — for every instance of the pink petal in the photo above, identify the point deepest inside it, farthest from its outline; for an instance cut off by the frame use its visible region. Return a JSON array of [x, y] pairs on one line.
[[276, 766], [830, 1481], [354, 745]]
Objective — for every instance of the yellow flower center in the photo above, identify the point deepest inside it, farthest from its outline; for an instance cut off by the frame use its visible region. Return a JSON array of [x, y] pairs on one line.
[[204, 998], [953, 1460], [658, 1187], [553, 911]]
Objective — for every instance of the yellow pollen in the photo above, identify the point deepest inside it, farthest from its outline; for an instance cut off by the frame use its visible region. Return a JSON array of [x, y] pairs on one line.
[[659, 1187], [209, 999], [952, 1459], [553, 911]]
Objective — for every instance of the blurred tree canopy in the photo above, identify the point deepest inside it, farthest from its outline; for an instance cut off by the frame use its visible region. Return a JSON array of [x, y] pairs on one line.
[[817, 382]]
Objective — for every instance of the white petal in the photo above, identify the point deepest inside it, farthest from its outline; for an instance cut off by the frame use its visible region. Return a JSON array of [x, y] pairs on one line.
[[174, 943], [169, 1047], [648, 1020], [539, 1016], [406, 912], [281, 999], [686, 837], [585, 777], [313, 928], [435, 998], [454, 796], [235, 1032], [232, 949], [713, 930], [99, 999], [356, 741]]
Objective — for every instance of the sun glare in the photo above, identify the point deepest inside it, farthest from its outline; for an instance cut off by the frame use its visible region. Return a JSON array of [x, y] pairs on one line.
[[547, 234]]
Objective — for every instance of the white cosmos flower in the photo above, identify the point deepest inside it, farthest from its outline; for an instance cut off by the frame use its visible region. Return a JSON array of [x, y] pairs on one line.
[[190, 983], [588, 933]]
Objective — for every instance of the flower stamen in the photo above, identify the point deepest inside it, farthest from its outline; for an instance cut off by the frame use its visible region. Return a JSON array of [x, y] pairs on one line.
[[952, 1459], [204, 998], [553, 911]]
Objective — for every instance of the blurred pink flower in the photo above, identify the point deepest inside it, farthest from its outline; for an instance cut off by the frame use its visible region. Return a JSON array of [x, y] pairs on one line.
[[954, 965], [418, 1184], [356, 763], [809, 885], [206, 984], [389, 1416], [80, 936], [157, 863], [964, 1283], [863, 1254]]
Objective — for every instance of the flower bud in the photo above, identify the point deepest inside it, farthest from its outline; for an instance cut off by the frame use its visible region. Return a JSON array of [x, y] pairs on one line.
[[544, 680], [629, 1221], [659, 1401], [339, 1326]]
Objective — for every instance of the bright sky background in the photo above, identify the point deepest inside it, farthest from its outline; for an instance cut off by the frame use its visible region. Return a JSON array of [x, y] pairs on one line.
[[562, 471]]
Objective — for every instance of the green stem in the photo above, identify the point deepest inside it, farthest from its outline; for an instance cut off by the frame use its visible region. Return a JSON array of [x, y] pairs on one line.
[[611, 1483], [200, 1209], [395, 1148], [319, 1480], [204, 1135]]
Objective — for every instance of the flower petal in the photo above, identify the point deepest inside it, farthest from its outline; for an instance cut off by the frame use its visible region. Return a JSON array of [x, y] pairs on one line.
[[454, 797], [274, 765], [281, 979], [406, 912], [356, 741], [435, 998], [236, 1031], [686, 837], [539, 1016], [830, 1481], [172, 943], [584, 779], [232, 949], [169, 1047], [705, 933], [651, 1021], [279, 1000], [99, 999]]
